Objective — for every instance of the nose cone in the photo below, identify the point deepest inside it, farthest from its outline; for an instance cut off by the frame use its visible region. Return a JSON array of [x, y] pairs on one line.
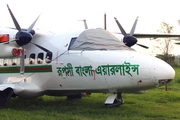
[[159, 71], [162, 72]]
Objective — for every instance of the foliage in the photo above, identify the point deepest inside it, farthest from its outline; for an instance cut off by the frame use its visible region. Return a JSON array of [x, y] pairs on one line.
[[167, 58], [165, 45], [166, 28], [177, 78]]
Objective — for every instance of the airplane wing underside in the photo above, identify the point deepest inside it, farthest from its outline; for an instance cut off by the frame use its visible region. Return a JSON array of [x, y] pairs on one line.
[[154, 36]]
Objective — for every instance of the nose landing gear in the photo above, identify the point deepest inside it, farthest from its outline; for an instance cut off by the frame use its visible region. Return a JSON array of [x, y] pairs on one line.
[[114, 100]]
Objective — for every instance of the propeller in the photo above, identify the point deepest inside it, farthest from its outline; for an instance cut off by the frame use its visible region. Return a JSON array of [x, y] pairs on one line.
[[129, 40], [22, 37]]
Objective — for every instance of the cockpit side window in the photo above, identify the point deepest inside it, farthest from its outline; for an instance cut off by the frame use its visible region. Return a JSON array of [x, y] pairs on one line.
[[49, 57], [40, 58], [32, 58], [72, 42]]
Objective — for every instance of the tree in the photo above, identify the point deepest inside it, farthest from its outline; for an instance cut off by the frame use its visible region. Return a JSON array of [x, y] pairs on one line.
[[165, 45]]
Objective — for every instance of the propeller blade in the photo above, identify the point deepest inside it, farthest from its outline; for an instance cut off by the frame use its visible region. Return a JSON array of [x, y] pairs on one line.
[[22, 61], [14, 20], [142, 46], [31, 27], [120, 27], [42, 48], [134, 27]]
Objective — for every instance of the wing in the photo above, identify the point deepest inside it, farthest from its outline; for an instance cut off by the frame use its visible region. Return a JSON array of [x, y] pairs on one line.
[[139, 35], [156, 35]]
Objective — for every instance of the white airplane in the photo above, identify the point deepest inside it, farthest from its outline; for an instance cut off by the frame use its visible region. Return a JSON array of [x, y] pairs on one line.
[[36, 63]]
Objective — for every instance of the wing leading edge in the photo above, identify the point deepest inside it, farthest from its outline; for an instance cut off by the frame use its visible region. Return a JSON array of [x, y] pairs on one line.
[[155, 35]]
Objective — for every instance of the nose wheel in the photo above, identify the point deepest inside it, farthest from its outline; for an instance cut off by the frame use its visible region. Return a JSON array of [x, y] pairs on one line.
[[114, 100]]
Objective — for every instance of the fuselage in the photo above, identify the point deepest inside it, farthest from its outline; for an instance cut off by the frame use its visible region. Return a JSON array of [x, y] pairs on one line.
[[61, 71]]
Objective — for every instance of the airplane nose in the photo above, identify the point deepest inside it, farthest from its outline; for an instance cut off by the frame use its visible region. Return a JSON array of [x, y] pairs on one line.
[[162, 72]]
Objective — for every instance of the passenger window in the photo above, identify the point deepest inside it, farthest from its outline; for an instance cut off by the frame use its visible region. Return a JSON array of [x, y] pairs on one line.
[[5, 62], [48, 57], [40, 58], [32, 59], [14, 61], [1, 62]]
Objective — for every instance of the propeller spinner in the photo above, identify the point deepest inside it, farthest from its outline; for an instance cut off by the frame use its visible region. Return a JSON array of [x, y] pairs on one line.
[[129, 40]]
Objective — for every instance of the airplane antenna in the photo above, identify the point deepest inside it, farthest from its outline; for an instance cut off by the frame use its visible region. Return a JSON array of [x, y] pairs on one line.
[[105, 21], [85, 24]]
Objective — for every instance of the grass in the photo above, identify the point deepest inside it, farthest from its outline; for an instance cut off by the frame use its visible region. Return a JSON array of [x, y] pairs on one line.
[[155, 104]]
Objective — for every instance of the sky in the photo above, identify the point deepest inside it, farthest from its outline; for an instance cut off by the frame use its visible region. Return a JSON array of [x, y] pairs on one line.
[[63, 15]]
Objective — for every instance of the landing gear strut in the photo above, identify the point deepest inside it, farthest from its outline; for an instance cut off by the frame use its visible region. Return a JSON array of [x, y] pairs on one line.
[[74, 96], [114, 100]]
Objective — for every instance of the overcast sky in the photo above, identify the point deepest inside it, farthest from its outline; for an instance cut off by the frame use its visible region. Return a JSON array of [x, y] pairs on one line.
[[61, 15]]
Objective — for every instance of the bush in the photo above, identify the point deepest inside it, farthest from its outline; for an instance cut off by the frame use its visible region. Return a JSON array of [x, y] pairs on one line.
[[170, 59]]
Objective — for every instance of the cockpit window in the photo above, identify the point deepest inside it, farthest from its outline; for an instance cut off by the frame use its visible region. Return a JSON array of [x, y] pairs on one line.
[[49, 57], [72, 42], [32, 58]]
